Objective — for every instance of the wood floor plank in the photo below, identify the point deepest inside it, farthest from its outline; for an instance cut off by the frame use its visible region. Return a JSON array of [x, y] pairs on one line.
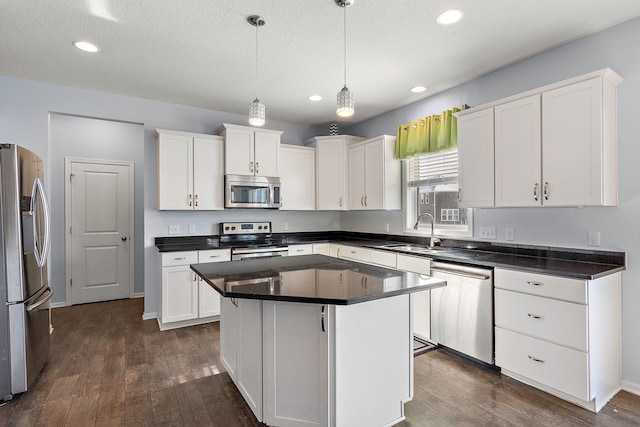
[[110, 366]]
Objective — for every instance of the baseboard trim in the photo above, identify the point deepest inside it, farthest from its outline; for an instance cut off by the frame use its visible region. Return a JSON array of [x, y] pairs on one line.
[[58, 304], [149, 316], [631, 387], [138, 295]]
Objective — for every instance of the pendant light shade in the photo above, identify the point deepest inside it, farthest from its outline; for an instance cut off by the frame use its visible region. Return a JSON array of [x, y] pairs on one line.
[[346, 103], [257, 108]]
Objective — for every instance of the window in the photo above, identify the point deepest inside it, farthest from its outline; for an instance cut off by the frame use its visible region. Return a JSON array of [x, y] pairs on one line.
[[432, 187]]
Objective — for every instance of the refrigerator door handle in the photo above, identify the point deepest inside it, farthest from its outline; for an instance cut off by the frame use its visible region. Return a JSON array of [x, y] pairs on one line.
[[47, 296], [41, 256]]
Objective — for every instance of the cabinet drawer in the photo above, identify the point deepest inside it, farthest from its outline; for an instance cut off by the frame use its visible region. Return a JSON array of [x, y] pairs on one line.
[[322, 249], [541, 284], [300, 250], [550, 364], [179, 258], [388, 259], [414, 264], [214, 255], [561, 322], [354, 253]]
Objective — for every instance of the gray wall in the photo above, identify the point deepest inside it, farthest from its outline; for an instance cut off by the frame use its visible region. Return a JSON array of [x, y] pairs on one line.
[[24, 119], [616, 48]]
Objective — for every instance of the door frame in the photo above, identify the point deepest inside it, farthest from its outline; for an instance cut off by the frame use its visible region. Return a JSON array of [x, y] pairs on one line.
[[68, 163]]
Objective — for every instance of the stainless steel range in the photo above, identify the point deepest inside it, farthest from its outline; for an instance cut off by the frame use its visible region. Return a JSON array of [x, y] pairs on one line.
[[250, 240]]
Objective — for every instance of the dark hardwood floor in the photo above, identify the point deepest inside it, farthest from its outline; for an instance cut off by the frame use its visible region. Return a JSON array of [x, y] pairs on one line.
[[108, 367]]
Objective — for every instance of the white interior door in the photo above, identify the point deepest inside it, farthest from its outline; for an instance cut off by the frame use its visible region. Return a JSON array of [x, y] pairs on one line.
[[100, 218]]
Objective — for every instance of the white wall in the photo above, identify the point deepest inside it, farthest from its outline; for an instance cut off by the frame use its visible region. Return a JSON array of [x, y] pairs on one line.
[[616, 48]]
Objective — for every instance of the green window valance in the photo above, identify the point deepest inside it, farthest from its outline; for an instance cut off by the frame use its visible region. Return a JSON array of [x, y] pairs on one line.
[[432, 134]]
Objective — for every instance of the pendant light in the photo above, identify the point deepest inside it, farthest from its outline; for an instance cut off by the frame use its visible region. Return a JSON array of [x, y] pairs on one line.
[[256, 109], [346, 104]]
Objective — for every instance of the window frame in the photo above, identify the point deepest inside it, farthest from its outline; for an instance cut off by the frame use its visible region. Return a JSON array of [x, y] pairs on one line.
[[410, 213]]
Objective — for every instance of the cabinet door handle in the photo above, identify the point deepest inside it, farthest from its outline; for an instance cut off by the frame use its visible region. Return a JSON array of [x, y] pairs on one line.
[[195, 277], [190, 200], [535, 316], [546, 191], [234, 302], [322, 318], [459, 194], [535, 192], [340, 201], [365, 201], [535, 359], [179, 258], [251, 167], [257, 167], [338, 256], [214, 256], [196, 200], [299, 250], [362, 201], [529, 282]]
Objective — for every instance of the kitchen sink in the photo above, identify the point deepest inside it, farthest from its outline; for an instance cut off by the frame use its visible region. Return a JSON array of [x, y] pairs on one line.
[[414, 248]]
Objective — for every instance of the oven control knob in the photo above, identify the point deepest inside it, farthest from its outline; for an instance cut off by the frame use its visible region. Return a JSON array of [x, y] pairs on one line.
[[233, 228], [226, 228], [259, 227]]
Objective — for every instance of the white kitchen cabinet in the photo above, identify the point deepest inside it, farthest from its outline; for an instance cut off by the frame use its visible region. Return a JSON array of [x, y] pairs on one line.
[[296, 364], [332, 170], [298, 178], [251, 151], [241, 348], [186, 299], [518, 153], [374, 175], [421, 301], [303, 249], [580, 143], [190, 171], [475, 159], [558, 334], [554, 146]]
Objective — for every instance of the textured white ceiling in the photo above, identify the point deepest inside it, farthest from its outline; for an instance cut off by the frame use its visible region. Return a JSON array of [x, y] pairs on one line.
[[202, 52]]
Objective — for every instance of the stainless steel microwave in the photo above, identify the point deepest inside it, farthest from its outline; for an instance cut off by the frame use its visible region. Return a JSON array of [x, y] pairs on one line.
[[245, 191]]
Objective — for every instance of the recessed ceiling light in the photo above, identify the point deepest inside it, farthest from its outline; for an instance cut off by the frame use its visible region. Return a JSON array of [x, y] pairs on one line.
[[449, 17], [418, 89], [315, 98], [86, 46]]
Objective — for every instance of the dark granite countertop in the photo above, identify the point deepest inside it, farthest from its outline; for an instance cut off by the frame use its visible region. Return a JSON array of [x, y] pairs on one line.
[[316, 279], [574, 263]]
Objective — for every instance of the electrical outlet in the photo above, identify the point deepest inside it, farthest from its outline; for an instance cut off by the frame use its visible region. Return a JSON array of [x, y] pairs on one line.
[[594, 238], [174, 229], [386, 227], [487, 232], [192, 228], [285, 226], [508, 234]]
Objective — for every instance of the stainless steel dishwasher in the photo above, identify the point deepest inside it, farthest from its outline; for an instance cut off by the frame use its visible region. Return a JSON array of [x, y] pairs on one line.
[[462, 311]]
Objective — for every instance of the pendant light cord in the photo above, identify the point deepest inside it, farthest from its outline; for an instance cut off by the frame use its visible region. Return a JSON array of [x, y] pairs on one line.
[[345, 43], [257, 60]]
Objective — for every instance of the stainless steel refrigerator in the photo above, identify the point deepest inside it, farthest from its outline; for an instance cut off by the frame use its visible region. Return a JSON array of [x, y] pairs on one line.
[[24, 285]]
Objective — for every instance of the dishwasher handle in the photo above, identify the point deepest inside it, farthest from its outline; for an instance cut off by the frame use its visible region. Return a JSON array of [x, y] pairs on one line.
[[461, 273]]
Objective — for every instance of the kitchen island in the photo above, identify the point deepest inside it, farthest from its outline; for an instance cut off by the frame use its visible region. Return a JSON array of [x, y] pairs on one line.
[[311, 340]]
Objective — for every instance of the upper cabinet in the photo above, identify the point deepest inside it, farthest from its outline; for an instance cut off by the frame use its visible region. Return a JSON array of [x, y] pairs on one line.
[[554, 146], [190, 171], [475, 159], [374, 175], [298, 177], [251, 151], [332, 170]]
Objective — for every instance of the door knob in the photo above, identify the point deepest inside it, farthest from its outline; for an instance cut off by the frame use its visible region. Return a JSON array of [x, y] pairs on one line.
[[124, 238]]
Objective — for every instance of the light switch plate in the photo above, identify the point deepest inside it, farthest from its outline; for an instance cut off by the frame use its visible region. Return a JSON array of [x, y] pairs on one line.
[[594, 238]]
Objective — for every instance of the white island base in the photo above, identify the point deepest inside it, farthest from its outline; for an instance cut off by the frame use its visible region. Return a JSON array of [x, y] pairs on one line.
[[303, 364]]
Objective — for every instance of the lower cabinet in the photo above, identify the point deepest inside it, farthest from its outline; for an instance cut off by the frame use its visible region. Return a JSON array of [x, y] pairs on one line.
[[559, 334], [187, 299], [293, 369], [421, 300]]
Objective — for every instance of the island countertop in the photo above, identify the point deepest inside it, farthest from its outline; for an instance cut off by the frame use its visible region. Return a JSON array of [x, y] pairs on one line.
[[315, 279]]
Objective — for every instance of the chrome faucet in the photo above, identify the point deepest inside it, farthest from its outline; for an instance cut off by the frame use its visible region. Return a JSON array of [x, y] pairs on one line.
[[433, 240]]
